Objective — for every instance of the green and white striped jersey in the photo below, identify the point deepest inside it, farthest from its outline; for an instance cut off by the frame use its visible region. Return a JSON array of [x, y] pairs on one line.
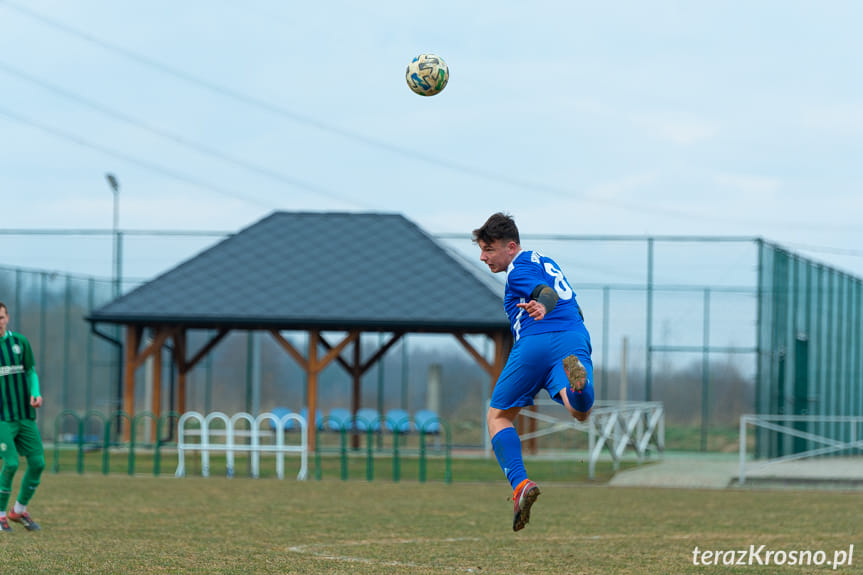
[[16, 359]]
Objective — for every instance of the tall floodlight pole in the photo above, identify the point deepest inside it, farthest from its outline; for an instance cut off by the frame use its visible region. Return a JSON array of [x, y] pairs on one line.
[[115, 275]]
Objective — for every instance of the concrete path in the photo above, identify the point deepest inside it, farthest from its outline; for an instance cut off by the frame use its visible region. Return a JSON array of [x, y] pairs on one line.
[[818, 471], [688, 470], [719, 471]]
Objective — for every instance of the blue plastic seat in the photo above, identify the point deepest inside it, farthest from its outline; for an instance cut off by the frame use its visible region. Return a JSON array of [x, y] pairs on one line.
[[368, 418], [427, 420], [398, 420], [339, 418], [319, 418], [280, 412]]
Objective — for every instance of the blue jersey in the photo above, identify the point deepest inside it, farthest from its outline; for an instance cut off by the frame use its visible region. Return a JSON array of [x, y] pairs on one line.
[[526, 271]]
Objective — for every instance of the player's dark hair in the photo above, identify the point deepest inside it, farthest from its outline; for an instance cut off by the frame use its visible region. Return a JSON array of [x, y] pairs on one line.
[[498, 226], [3, 306]]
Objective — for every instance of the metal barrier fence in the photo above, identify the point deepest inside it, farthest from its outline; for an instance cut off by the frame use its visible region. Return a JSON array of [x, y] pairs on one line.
[[372, 428], [104, 442], [799, 430], [616, 426], [258, 442], [218, 432]]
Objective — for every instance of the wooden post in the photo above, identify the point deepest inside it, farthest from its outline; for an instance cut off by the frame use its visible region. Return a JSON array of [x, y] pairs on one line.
[[133, 340], [312, 389], [501, 352], [313, 367], [182, 369], [157, 390], [532, 446], [356, 393]]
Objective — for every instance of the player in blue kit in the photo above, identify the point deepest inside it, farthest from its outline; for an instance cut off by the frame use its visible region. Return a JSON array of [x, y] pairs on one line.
[[551, 350]]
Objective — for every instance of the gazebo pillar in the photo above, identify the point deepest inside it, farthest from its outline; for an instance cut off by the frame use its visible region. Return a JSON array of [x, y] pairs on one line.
[[133, 342], [313, 366], [312, 388]]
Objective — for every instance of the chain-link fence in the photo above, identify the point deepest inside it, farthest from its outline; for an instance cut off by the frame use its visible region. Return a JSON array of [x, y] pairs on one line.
[[712, 327]]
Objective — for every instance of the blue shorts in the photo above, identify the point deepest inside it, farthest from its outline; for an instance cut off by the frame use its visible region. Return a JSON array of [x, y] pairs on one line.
[[536, 362]]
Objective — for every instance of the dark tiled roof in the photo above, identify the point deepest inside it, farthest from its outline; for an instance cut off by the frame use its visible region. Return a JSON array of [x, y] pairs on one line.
[[307, 270]]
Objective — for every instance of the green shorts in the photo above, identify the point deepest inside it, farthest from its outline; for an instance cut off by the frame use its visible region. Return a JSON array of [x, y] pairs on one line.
[[19, 438]]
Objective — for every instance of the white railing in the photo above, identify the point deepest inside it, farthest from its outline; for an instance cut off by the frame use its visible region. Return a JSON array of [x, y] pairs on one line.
[[613, 425], [226, 436], [787, 425]]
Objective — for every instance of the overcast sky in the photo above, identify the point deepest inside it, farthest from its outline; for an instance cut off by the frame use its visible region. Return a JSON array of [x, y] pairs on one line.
[[652, 117]]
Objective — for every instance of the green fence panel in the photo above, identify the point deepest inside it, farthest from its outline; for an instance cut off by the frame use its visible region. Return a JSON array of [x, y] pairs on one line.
[[370, 459], [137, 418], [58, 421], [104, 426], [120, 417], [161, 425], [424, 430]]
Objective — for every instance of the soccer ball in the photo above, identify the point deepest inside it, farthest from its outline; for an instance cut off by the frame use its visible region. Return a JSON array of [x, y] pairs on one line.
[[427, 74]]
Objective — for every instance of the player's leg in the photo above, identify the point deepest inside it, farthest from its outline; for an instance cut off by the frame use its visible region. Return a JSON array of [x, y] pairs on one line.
[[507, 450], [579, 402], [506, 443], [29, 444], [570, 379], [10, 467], [515, 388]]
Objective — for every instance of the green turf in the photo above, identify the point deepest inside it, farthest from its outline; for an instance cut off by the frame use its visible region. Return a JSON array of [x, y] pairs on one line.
[[121, 524]]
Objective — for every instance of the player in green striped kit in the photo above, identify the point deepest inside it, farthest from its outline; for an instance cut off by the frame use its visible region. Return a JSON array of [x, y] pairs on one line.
[[19, 436]]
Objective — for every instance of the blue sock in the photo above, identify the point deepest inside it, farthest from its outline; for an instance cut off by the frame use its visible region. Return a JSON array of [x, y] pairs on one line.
[[582, 401], [507, 449]]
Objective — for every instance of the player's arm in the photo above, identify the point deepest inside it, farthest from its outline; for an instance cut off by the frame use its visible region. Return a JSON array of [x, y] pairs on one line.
[[546, 296], [542, 300], [33, 381], [32, 376]]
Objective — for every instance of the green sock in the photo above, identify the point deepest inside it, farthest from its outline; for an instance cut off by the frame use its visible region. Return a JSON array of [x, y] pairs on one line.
[[6, 477], [31, 479]]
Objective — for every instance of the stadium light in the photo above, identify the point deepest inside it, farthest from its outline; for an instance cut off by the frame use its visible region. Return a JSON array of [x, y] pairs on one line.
[[115, 187]]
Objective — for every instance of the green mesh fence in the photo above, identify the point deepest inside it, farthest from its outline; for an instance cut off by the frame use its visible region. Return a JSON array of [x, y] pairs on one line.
[[809, 338]]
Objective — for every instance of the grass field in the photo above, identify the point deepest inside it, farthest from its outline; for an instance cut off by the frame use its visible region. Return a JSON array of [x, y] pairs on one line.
[[121, 524]]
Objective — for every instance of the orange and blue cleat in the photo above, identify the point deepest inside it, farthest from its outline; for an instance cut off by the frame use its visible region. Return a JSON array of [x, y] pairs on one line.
[[523, 499], [24, 519]]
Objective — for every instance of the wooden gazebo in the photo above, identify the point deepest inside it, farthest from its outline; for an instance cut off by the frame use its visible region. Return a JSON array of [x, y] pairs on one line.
[[313, 272]]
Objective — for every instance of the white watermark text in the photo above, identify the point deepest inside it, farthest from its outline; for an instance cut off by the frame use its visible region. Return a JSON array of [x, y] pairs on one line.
[[761, 555]]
